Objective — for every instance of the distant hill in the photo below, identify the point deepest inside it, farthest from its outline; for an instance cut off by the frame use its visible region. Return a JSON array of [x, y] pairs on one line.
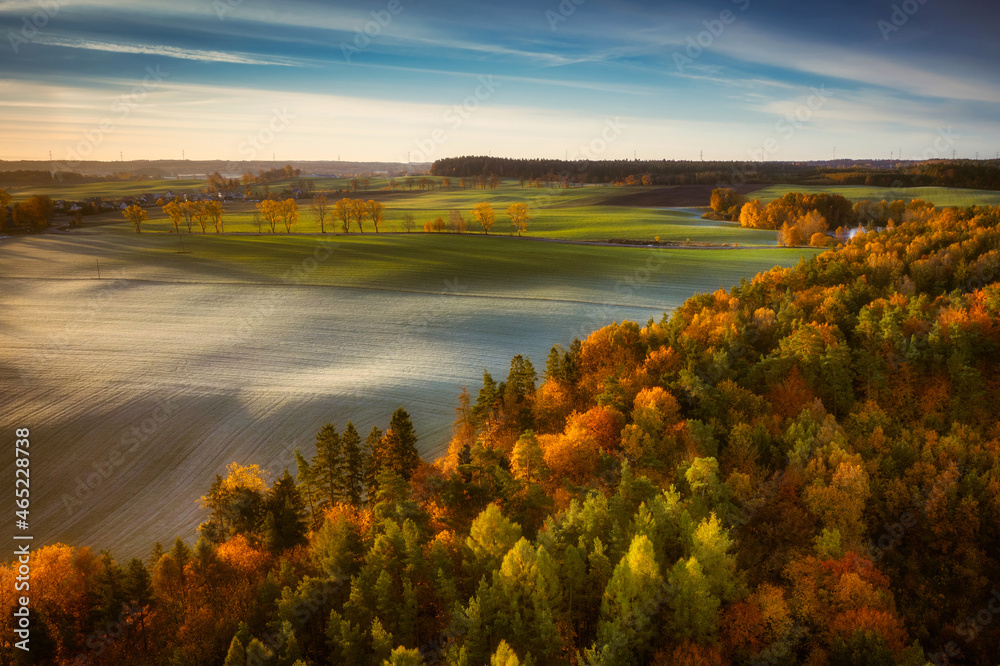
[[198, 168]]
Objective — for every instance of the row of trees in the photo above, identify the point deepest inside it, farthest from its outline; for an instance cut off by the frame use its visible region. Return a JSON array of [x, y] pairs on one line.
[[272, 212], [204, 213], [806, 218], [945, 173], [33, 214], [353, 210]]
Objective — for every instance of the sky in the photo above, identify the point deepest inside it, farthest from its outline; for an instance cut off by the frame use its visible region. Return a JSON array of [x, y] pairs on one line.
[[419, 80]]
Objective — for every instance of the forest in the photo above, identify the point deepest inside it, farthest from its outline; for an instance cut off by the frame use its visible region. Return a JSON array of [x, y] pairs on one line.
[[802, 469], [946, 173]]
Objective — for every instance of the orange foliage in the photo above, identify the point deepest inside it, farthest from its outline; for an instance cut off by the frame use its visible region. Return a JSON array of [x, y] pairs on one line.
[[603, 423], [553, 403], [240, 554], [792, 395], [607, 351], [662, 361], [572, 455], [867, 619], [690, 654]]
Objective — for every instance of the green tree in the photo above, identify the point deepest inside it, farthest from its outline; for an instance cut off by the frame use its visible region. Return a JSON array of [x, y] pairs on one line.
[[527, 460], [354, 465], [328, 465], [399, 445], [284, 524], [630, 606], [490, 537], [375, 461]]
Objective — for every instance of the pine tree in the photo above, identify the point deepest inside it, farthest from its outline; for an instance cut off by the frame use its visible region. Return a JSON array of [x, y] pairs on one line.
[[527, 460], [285, 524], [400, 445], [354, 465], [485, 400], [375, 463], [631, 603], [237, 655], [307, 484], [328, 465]]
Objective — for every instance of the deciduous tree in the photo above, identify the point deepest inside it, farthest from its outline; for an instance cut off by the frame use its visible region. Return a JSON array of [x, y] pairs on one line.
[[136, 215], [518, 214], [483, 212]]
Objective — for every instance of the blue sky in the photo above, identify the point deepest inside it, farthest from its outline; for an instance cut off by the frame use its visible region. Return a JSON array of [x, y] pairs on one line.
[[415, 79]]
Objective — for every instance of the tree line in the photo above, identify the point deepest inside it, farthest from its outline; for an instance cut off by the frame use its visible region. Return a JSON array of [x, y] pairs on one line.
[[943, 173], [33, 214], [802, 219]]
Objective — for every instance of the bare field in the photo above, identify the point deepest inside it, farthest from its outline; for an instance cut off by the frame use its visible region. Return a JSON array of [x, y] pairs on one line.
[[138, 388]]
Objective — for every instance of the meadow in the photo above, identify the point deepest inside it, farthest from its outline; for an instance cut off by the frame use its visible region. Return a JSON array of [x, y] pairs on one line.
[[940, 196]]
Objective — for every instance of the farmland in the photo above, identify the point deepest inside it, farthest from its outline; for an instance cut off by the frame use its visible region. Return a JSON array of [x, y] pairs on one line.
[[145, 383], [149, 361]]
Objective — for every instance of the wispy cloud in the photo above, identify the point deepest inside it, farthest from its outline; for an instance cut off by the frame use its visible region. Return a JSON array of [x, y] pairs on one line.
[[169, 52]]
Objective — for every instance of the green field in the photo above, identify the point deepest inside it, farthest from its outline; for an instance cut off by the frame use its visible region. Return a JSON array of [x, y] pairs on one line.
[[589, 223], [939, 196], [108, 190], [571, 214]]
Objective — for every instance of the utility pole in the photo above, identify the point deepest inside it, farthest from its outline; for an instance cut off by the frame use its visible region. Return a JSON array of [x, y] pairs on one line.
[[98, 269]]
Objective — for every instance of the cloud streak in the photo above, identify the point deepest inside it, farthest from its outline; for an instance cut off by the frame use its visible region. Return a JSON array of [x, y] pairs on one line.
[[169, 52]]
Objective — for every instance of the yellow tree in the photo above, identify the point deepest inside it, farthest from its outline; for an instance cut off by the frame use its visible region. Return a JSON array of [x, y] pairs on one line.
[[174, 212], [342, 209], [321, 206], [200, 215], [359, 211], [376, 212], [270, 210], [187, 212], [518, 214], [136, 216], [289, 213], [213, 211], [484, 214]]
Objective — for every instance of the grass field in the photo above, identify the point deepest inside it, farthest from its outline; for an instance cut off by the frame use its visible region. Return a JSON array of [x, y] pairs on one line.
[[109, 190], [939, 196], [589, 223], [141, 386]]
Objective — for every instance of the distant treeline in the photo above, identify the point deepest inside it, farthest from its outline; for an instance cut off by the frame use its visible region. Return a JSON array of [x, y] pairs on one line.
[[967, 174], [961, 173], [26, 178]]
